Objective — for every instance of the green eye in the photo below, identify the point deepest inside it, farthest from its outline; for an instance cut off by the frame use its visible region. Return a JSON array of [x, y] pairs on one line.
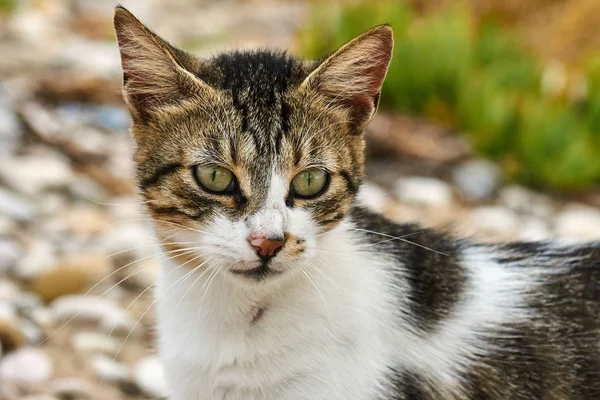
[[214, 179], [310, 183]]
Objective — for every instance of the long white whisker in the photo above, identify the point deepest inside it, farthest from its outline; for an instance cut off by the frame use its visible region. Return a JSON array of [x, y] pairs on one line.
[[400, 238], [318, 291]]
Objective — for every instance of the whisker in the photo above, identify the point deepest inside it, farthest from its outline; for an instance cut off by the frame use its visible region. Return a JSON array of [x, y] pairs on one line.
[[148, 288], [326, 276], [64, 324], [210, 280], [400, 238], [318, 291], [194, 282], [142, 316], [148, 245]]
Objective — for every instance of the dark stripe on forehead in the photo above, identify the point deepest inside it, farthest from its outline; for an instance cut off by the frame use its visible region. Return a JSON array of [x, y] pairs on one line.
[[233, 147], [159, 174]]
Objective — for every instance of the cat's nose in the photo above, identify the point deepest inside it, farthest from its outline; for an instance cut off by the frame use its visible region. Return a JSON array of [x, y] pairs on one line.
[[266, 247]]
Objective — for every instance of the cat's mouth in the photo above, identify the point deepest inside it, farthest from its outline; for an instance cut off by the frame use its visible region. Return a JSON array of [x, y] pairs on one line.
[[258, 273]]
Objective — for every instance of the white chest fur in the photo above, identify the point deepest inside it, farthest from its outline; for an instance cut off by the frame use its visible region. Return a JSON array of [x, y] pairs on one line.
[[317, 338]]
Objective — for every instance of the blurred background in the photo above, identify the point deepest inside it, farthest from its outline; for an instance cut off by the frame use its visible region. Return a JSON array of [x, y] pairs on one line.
[[489, 125]]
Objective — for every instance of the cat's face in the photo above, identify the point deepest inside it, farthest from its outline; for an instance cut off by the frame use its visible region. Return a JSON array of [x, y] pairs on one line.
[[247, 158]]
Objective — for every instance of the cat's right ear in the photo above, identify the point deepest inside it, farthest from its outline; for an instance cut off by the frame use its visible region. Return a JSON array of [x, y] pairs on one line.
[[154, 74]]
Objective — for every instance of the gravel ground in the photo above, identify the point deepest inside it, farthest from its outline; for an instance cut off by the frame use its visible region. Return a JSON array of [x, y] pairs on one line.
[[76, 256]]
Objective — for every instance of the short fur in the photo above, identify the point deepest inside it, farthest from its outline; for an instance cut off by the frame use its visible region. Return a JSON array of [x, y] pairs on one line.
[[353, 307]]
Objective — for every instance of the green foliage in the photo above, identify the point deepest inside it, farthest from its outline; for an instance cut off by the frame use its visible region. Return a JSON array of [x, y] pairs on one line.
[[7, 6], [478, 78]]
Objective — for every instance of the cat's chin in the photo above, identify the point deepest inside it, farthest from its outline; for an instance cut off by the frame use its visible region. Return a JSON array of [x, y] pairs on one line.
[[261, 272]]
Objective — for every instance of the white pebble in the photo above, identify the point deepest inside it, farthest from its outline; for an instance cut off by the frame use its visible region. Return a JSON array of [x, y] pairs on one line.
[[109, 314], [523, 200], [32, 332], [534, 229], [39, 258], [578, 222], [476, 180], [495, 219], [9, 254], [8, 290], [424, 191], [109, 370], [8, 311], [26, 365], [32, 174], [16, 207], [373, 196], [95, 342], [149, 376]]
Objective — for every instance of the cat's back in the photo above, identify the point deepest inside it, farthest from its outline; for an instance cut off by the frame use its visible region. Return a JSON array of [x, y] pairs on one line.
[[512, 321]]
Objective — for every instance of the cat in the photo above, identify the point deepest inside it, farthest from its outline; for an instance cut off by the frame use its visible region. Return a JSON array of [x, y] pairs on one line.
[[275, 283]]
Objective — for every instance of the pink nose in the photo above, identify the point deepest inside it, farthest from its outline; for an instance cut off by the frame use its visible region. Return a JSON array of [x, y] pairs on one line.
[[265, 248]]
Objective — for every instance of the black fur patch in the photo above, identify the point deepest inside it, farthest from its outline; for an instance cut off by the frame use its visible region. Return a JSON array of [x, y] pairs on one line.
[[429, 259]]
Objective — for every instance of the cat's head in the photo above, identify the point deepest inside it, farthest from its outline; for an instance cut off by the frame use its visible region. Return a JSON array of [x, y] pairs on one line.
[[248, 157]]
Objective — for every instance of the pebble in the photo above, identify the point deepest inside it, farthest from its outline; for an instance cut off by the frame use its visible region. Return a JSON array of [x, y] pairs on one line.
[[10, 130], [578, 222], [9, 254], [26, 302], [476, 180], [129, 241], [85, 220], [11, 334], [534, 229], [106, 116], [8, 311], [495, 219], [31, 175], [87, 189], [59, 281], [53, 204], [28, 365], [72, 275], [88, 308], [149, 376], [526, 201], [15, 206], [8, 225], [39, 258], [95, 342], [109, 370], [41, 316], [373, 196], [427, 192], [32, 332], [8, 290], [72, 388]]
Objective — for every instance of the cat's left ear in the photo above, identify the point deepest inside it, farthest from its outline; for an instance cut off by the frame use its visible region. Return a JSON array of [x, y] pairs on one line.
[[353, 75]]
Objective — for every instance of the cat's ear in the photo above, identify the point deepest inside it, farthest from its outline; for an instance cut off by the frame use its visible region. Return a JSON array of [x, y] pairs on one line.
[[155, 73], [353, 75]]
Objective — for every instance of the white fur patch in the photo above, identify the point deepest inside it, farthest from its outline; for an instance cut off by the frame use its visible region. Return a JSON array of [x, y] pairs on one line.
[[495, 295], [321, 335]]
